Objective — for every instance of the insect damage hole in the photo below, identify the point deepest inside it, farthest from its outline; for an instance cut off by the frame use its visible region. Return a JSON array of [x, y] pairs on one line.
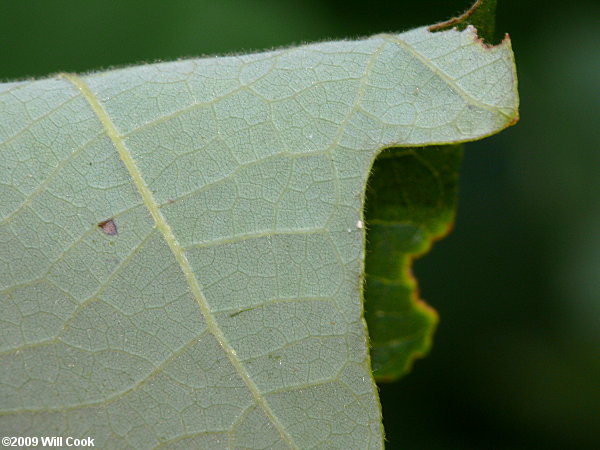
[[108, 227]]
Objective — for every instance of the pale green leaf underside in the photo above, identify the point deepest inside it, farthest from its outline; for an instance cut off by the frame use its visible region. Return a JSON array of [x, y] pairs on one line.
[[227, 310]]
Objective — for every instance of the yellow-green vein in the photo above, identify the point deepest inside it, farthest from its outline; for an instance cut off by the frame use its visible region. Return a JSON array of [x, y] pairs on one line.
[[176, 249]]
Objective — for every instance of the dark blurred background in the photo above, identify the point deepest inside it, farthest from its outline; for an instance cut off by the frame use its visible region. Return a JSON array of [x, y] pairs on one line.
[[516, 359]]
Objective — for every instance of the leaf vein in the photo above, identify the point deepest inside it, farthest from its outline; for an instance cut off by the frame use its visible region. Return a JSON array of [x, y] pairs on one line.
[[179, 253], [441, 74]]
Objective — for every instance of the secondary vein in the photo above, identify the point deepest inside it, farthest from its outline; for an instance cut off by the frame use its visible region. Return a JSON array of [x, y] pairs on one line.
[[445, 77]]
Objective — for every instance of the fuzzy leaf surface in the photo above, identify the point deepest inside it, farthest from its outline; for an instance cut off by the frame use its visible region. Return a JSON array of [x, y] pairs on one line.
[[182, 244]]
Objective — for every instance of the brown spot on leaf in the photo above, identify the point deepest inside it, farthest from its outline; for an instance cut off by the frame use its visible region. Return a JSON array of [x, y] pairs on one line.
[[108, 227]]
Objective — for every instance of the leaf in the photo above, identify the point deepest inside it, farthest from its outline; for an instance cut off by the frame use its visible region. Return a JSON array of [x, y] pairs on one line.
[[410, 203], [182, 244]]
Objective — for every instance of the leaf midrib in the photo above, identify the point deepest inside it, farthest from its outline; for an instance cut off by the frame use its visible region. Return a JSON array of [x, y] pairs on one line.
[[177, 250]]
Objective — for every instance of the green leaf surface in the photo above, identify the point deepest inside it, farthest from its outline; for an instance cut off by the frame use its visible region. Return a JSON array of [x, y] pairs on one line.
[[411, 202], [182, 244]]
